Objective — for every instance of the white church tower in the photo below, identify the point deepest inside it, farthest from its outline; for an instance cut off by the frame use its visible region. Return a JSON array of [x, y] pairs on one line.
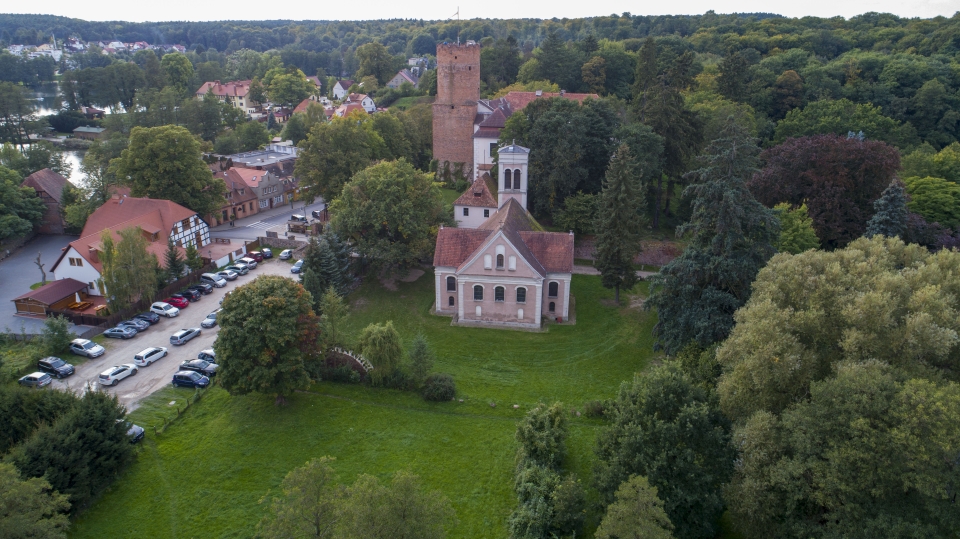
[[513, 161]]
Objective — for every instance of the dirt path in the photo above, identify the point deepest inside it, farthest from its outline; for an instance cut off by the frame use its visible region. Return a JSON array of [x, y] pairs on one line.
[[590, 270]]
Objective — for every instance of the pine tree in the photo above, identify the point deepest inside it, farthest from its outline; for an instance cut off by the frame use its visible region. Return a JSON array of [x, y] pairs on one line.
[[421, 358], [321, 270], [619, 223], [174, 261], [890, 218], [193, 261], [697, 293]]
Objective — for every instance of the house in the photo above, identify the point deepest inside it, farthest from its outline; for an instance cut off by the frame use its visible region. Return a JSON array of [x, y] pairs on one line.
[[506, 271], [418, 66], [157, 220], [347, 108], [89, 133], [241, 199], [273, 153], [49, 187], [477, 203], [402, 76], [266, 186], [342, 88], [92, 113], [364, 100], [234, 92]]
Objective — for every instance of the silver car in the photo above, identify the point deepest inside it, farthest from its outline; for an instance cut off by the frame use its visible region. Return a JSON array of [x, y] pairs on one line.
[[148, 356], [184, 335], [84, 347], [210, 320], [213, 279], [286, 254]]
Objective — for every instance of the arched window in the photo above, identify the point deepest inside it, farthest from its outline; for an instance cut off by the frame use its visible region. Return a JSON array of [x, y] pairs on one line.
[[498, 293], [499, 261], [450, 301], [552, 290], [451, 285], [552, 307], [478, 293], [521, 295], [516, 179]]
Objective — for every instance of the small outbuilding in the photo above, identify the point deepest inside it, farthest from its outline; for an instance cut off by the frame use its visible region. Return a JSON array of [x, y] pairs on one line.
[[55, 295]]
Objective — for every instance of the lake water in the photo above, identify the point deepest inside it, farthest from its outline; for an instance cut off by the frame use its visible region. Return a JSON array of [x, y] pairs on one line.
[[74, 157], [46, 98]]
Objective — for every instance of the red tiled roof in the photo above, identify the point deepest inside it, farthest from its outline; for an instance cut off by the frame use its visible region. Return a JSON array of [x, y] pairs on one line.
[[554, 250], [454, 245], [121, 210], [47, 181], [480, 194], [345, 83], [497, 119], [54, 291], [249, 176], [487, 132], [518, 100], [302, 107], [237, 88]]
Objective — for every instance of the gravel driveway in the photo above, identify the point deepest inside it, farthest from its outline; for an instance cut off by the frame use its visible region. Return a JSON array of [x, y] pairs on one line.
[[148, 379]]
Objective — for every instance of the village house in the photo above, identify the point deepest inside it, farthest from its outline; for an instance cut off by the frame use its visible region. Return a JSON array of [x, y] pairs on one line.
[[49, 187], [89, 133], [402, 76], [268, 187], [234, 93], [341, 89], [365, 101], [241, 199]]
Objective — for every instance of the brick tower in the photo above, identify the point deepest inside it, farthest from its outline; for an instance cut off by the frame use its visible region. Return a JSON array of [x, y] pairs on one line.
[[458, 90]]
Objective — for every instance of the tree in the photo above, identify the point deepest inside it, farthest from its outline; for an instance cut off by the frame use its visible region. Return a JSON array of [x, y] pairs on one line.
[[40, 265], [732, 237], [268, 333], [173, 261], [288, 87], [321, 270], [925, 161], [797, 328], [381, 345], [193, 259], [390, 212], [165, 163], [18, 116], [890, 212], [636, 513], [30, 508], [936, 199], [128, 269], [311, 506], [177, 72], [82, 452], [24, 411], [421, 358], [787, 93], [542, 435], [375, 60], [251, 136], [732, 82], [331, 321], [56, 335], [669, 430], [619, 223], [334, 152], [150, 64], [840, 117], [579, 213], [401, 510], [594, 74], [837, 178], [558, 63], [20, 208], [500, 63], [796, 229]]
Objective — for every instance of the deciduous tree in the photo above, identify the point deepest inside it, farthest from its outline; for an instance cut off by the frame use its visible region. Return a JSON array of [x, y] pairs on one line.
[[796, 229], [936, 199], [128, 269], [311, 506], [335, 151], [30, 508], [381, 345], [177, 73], [840, 117], [636, 513], [375, 60], [20, 208]]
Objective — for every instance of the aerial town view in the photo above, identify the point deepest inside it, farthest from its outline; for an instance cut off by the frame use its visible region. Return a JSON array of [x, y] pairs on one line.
[[543, 271]]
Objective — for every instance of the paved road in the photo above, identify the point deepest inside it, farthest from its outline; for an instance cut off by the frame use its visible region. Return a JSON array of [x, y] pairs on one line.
[[157, 375], [18, 272], [250, 228]]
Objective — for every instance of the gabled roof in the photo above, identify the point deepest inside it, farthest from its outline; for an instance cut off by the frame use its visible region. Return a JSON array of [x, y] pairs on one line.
[[554, 250], [345, 83], [249, 176], [519, 100], [497, 119], [454, 245], [302, 107], [487, 132], [54, 291], [47, 181], [510, 220], [479, 194], [406, 75], [237, 88]]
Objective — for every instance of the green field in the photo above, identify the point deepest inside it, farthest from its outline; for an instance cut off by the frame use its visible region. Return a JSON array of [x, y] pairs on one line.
[[204, 476]]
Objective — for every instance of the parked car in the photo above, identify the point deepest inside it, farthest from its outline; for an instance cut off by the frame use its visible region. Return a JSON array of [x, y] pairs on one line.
[[184, 335], [55, 366], [239, 268], [190, 379], [113, 375], [164, 309], [296, 267], [203, 288], [266, 252], [188, 294], [120, 332], [138, 325], [286, 254], [149, 355], [149, 316], [227, 275], [178, 302], [84, 347], [198, 365], [208, 355], [210, 320], [213, 279], [256, 255], [134, 432], [317, 214], [250, 262], [298, 218], [36, 379]]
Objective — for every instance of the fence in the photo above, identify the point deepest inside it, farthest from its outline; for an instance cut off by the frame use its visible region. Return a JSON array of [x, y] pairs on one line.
[[197, 395]]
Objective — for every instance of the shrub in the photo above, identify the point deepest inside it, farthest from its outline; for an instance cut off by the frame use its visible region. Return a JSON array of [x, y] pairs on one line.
[[439, 387], [343, 374], [595, 408], [56, 335]]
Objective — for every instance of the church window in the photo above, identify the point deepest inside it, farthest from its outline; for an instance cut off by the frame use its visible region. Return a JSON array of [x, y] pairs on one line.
[[498, 293], [487, 261], [478, 293], [516, 179], [466, 212], [552, 290], [499, 261], [506, 179], [552, 307], [450, 301], [521, 295], [451, 284]]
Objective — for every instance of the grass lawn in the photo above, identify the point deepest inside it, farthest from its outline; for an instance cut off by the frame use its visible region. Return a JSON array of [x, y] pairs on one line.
[[204, 476], [449, 195]]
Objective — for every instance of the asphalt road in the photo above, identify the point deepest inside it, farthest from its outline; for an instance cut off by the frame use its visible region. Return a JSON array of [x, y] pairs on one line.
[[133, 389], [250, 228]]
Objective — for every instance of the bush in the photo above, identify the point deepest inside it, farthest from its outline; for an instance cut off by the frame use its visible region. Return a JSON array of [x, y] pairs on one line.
[[343, 374], [56, 335], [595, 408], [399, 379], [439, 387]]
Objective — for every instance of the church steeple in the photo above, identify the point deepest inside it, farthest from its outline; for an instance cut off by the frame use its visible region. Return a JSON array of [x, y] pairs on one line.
[[513, 162]]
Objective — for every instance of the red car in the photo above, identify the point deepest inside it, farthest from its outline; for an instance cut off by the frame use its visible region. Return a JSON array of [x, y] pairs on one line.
[[179, 303], [256, 255]]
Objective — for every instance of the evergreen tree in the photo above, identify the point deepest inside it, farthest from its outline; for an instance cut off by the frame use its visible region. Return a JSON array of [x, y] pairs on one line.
[[890, 218], [421, 358], [697, 293], [321, 270], [332, 320], [30, 508], [174, 261], [796, 229], [619, 223], [193, 261]]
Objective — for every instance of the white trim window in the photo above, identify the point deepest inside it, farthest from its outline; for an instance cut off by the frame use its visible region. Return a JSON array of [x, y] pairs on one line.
[[264, 203], [278, 199]]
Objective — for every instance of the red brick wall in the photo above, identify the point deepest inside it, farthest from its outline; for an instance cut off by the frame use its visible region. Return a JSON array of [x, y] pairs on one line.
[[458, 89]]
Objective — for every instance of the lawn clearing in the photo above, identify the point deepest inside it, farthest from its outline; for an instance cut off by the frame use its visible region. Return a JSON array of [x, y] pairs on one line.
[[204, 476]]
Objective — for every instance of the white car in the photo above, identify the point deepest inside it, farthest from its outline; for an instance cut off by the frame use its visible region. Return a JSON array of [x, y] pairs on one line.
[[213, 279], [164, 309], [248, 262], [286, 254], [113, 375], [149, 355]]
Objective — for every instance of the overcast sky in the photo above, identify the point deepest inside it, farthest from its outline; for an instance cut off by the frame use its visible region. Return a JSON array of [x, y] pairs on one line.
[[194, 10]]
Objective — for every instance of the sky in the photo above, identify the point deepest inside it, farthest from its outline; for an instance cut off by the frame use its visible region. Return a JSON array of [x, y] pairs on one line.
[[437, 10]]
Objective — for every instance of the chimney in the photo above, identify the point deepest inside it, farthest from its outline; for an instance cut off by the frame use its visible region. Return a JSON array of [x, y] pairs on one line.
[[539, 93], [562, 92]]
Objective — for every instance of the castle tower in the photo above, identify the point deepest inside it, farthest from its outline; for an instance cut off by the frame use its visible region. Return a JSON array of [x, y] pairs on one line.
[[454, 111], [513, 163]]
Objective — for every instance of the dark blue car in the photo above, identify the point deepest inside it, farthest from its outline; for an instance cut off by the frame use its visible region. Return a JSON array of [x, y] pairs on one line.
[[296, 267], [190, 379]]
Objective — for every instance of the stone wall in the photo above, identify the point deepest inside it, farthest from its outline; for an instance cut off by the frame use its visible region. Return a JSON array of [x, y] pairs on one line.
[[458, 90]]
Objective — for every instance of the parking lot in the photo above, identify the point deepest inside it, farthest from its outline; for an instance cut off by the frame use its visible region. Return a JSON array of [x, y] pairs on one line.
[[159, 374]]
